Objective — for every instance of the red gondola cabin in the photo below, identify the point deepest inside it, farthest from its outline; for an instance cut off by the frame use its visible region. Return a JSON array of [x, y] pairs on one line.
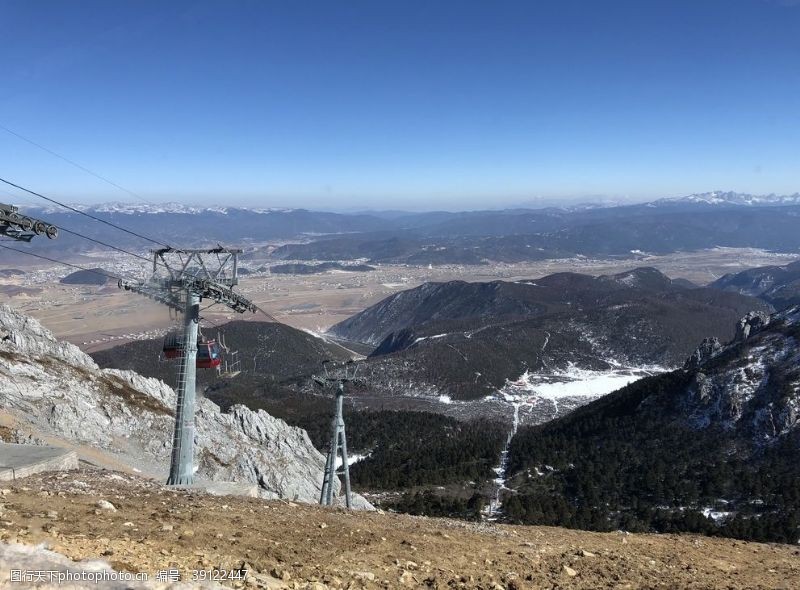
[[209, 353]]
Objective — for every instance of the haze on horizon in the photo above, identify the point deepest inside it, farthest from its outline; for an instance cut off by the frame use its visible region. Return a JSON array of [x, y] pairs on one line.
[[413, 106]]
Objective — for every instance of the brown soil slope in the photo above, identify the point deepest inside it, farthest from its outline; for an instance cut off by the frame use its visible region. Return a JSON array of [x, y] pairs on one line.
[[287, 545]]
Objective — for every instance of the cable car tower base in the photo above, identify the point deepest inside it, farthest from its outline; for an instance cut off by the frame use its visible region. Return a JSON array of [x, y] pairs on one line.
[[180, 280], [338, 446], [181, 470]]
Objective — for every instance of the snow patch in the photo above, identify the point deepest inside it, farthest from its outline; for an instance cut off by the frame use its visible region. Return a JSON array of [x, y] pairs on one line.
[[421, 338], [574, 382], [716, 515], [355, 458]]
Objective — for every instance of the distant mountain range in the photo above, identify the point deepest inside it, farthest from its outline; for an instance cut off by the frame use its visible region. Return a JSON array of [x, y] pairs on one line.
[[694, 222], [721, 198], [144, 208], [466, 340], [691, 223]]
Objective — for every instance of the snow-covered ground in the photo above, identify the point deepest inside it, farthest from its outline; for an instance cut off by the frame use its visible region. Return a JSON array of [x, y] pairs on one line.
[[717, 515], [435, 337], [533, 388], [572, 387], [355, 458]]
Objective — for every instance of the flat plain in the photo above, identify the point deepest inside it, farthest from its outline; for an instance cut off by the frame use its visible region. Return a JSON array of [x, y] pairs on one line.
[[97, 317]]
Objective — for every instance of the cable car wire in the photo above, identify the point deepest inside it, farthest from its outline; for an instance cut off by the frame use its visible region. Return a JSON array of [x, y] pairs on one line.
[[133, 233], [117, 248], [97, 272], [75, 164], [268, 316], [84, 213]]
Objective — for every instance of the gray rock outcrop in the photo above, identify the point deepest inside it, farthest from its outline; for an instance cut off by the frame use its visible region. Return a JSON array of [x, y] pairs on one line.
[[755, 387], [707, 350], [52, 389], [750, 324]]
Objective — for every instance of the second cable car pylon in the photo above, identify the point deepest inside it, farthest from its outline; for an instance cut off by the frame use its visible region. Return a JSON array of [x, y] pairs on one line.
[[338, 437], [180, 280]]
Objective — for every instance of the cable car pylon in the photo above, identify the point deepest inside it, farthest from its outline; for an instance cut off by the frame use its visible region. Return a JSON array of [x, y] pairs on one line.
[[338, 438], [181, 279]]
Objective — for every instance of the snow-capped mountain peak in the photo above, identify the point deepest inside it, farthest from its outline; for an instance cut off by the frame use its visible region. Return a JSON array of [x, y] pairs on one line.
[[119, 208], [733, 198], [131, 208]]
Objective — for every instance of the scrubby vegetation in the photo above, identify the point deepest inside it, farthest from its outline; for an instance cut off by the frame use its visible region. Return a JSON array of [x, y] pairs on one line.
[[429, 503], [626, 462], [405, 448], [418, 448]]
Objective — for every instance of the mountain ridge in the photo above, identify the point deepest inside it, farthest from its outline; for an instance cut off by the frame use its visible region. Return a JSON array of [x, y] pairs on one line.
[[466, 340], [775, 284], [480, 237], [716, 197]]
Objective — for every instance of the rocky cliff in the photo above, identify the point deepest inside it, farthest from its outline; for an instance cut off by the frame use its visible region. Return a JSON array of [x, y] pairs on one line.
[[751, 386], [52, 390]]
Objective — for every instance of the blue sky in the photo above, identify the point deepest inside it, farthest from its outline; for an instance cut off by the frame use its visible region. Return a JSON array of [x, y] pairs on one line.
[[379, 104]]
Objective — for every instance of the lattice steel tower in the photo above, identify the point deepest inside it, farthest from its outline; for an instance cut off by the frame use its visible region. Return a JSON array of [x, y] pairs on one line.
[[180, 280], [338, 438]]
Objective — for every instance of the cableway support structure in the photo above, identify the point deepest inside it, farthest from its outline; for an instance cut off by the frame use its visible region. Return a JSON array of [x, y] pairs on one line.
[[181, 279], [338, 448]]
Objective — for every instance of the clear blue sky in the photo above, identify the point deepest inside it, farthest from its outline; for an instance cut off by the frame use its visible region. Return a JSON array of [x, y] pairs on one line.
[[404, 104]]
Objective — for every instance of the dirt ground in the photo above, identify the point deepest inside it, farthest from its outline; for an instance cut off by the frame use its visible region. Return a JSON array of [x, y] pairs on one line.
[[289, 545]]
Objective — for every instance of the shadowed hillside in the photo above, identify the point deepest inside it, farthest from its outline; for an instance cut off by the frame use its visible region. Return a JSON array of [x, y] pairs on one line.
[[777, 285], [467, 339], [266, 349]]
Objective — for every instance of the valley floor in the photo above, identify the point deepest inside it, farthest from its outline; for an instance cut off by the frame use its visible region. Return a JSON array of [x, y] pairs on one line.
[[289, 545], [95, 318]]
